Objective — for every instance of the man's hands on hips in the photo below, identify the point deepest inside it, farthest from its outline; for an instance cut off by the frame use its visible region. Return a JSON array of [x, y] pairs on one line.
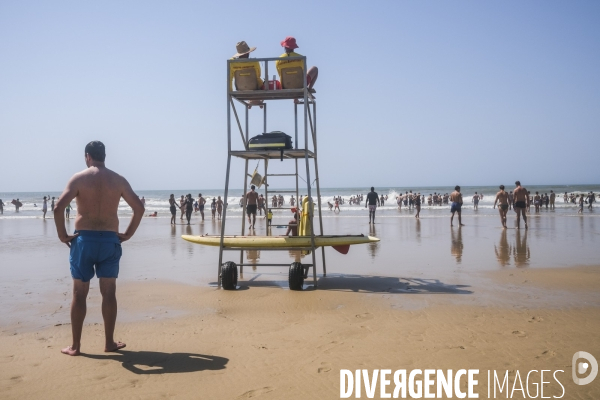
[[67, 239], [123, 237]]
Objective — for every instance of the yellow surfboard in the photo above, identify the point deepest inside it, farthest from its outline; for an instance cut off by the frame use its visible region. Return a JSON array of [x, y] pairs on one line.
[[340, 242]]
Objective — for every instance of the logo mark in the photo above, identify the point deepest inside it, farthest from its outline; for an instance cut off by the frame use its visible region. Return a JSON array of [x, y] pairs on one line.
[[583, 367]]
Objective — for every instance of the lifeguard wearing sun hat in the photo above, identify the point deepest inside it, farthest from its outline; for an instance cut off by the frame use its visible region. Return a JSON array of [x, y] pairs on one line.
[[289, 43], [243, 48]]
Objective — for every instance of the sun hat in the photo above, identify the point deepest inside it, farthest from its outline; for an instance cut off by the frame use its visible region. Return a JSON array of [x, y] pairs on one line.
[[289, 42], [243, 48]]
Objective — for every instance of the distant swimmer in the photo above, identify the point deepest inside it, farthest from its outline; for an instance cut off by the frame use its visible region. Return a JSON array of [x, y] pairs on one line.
[[455, 207], [337, 205], [143, 201], [201, 203], [372, 202], [475, 201], [502, 199], [67, 210], [511, 200], [581, 202], [521, 203], [181, 206], [552, 199], [45, 207], [591, 199], [52, 205], [173, 208], [418, 205], [537, 201], [261, 204], [96, 242], [220, 207], [251, 206], [330, 205], [213, 208], [292, 201], [154, 214], [188, 206], [2, 207], [269, 217]]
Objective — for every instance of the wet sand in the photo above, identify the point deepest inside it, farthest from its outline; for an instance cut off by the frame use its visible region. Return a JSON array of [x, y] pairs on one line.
[[426, 296]]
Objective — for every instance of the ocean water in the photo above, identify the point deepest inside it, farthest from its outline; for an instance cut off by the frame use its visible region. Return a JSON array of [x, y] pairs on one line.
[[157, 200]]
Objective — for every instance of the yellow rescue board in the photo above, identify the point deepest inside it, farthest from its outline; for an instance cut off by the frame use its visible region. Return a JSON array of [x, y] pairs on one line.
[[280, 241]]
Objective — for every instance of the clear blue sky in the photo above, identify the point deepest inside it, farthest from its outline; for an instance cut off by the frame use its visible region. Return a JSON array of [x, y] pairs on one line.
[[409, 92]]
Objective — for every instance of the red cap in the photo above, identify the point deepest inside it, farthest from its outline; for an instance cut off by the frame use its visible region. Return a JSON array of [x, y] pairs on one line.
[[293, 209], [289, 42]]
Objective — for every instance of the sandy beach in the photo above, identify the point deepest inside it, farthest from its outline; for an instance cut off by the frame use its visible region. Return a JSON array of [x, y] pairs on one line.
[[426, 296]]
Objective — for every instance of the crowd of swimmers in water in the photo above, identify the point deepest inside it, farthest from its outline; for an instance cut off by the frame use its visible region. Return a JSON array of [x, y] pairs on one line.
[[188, 205]]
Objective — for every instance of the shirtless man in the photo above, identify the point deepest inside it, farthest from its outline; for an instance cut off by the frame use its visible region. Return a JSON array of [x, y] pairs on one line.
[[251, 205], [503, 199], [201, 203], [475, 201], [511, 200], [52, 205], [96, 243], [455, 207], [521, 203]]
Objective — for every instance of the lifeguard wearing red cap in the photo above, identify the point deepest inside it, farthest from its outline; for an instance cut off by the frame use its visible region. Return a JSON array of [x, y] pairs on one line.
[[289, 43]]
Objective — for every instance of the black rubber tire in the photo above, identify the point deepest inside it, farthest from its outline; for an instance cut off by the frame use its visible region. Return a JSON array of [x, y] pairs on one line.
[[229, 275], [296, 276]]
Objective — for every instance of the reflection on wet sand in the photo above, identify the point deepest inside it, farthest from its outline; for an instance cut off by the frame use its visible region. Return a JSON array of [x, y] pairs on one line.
[[503, 249], [521, 250], [418, 231], [252, 255], [457, 244], [373, 247]]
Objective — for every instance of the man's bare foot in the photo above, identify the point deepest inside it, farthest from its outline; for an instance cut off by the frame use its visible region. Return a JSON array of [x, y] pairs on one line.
[[115, 346], [70, 351], [526, 227]]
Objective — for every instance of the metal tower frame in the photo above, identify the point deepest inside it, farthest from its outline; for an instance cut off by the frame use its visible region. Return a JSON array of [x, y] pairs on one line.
[[302, 97]]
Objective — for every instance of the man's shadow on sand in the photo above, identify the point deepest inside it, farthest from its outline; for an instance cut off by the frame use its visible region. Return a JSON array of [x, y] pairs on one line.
[[154, 362]]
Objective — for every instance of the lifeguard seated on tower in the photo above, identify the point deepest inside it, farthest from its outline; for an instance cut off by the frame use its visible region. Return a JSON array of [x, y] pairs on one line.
[[246, 74], [291, 72]]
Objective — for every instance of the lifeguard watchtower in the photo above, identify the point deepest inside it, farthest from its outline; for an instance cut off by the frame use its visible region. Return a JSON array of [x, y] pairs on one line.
[[247, 93]]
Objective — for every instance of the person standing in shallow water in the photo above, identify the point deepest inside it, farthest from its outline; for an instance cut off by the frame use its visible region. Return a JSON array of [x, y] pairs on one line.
[[95, 246], [502, 198], [188, 205], [455, 207], [372, 202], [521, 196], [45, 206], [173, 208]]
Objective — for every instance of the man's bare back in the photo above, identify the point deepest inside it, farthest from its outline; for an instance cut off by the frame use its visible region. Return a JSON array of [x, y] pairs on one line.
[[456, 197], [520, 194], [97, 194]]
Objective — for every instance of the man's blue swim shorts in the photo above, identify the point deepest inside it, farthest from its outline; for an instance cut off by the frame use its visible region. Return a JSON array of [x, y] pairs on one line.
[[455, 207], [95, 249]]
